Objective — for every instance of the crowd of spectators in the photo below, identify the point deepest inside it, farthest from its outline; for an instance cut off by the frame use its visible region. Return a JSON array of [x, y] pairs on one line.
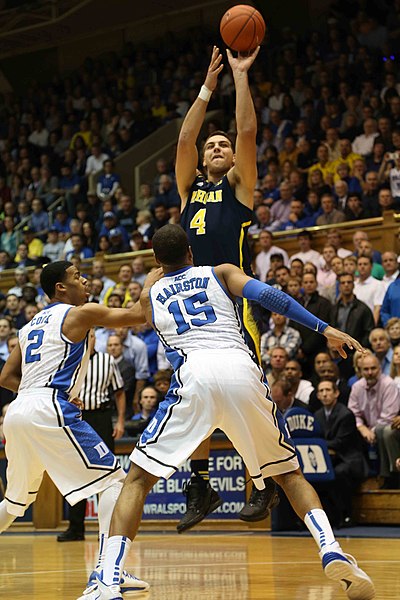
[[328, 151]]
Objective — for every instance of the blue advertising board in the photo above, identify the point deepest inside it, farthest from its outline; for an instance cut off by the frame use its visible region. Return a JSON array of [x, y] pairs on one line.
[[166, 500]]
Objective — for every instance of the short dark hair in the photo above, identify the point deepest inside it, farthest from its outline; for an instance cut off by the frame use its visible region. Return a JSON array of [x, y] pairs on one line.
[[170, 245], [327, 380], [339, 277], [365, 256], [52, 274], [277, 256], [304, 233]]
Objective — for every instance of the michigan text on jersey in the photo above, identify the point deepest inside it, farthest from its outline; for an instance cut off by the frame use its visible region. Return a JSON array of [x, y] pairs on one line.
[[204, 197]]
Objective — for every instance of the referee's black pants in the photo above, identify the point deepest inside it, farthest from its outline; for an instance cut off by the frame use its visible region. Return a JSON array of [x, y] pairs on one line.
[[101, 422]]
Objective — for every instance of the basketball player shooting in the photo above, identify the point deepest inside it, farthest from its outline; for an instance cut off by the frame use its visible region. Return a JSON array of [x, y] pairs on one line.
[[217, 211]]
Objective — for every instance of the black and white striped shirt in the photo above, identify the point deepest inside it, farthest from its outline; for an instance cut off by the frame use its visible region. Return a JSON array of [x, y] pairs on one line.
[[103, 376]]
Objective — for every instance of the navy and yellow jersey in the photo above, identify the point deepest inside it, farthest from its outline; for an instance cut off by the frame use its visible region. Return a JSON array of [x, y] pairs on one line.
[[216, 224]]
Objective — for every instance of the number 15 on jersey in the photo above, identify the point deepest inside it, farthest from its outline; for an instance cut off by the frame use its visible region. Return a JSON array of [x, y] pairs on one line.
[[182, 311]]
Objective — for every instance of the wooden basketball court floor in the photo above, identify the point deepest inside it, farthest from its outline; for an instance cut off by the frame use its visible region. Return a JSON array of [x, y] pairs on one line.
[[224, 566]]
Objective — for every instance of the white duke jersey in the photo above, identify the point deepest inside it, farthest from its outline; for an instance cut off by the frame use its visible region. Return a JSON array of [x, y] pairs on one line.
[[192, 311], [49, 359]]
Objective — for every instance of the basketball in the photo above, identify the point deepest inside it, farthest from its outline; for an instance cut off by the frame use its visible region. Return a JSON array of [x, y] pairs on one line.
[[242, 28]]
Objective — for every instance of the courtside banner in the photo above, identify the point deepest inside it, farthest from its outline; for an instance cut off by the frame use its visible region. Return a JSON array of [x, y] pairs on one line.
[[166, 500]]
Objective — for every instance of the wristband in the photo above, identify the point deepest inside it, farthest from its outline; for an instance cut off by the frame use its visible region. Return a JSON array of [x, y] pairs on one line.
[[205, 93]]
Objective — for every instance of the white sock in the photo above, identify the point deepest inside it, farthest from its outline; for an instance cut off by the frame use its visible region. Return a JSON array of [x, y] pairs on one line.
[[320, 528], [103, 537], [117, 550], [107, 500], [5, 517]]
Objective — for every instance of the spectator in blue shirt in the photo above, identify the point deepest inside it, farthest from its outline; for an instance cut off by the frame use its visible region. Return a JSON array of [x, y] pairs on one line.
[[78, 249], [109, 182], [110, 222], [39, 219], [150, 338], [68, 187], [62, 221], [391, 302]]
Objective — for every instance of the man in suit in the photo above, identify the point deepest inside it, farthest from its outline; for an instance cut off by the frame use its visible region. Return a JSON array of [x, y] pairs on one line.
[[339, 428], [321, 308]]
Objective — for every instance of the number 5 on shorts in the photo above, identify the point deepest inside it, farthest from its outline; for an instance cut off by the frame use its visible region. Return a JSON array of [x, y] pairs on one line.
[[199, 222]]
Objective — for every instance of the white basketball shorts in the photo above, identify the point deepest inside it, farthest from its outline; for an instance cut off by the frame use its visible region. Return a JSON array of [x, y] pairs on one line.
[[44, 432], [217, 389]]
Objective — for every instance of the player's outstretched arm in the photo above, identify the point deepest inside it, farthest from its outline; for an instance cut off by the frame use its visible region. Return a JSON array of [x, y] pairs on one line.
[[244, 174], [10, 376], [186, 154], [239, 284], [81, 318]]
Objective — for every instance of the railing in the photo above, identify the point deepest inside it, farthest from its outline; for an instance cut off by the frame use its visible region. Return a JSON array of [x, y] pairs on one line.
[[383, 233], [26, 220]]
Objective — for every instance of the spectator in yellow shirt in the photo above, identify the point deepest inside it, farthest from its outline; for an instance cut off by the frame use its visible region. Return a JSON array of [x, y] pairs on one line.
[[324, 165], [346, 155], [35, 246]]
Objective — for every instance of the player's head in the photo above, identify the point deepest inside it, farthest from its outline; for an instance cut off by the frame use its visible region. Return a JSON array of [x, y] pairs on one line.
[[218, 153], [61, 280], [171, 247]]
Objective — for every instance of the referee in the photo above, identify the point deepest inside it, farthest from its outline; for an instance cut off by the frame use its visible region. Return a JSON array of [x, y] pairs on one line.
[[102, 381]]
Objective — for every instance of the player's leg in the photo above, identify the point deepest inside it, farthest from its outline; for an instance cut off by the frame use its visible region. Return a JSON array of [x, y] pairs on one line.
[[201, 498], [337, 565], [24, 467], [125, 523], [6, 519], [260, 502], [76, 526]]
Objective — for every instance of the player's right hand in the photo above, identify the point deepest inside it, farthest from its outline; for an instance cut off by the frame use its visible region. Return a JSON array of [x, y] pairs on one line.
[[214, 69], [338, 339]]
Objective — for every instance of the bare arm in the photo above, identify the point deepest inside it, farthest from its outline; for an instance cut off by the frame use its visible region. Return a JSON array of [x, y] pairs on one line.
[[10, 376], [81, 318], [383, 173], [243, 175], [187, 156], [120, 402]]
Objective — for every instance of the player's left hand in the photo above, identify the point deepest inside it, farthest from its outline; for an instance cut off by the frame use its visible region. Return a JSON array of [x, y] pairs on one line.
[[242, 62], [119, 430], [152, 277], [338, 339], [78, 403]]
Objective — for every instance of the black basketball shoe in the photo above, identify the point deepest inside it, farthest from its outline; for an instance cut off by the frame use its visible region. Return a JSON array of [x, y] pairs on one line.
[[201, 500], [261, 502]]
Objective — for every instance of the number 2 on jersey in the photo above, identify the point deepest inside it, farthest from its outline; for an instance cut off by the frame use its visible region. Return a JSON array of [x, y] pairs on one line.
[[189, 304], [36, 335], [199, 222]]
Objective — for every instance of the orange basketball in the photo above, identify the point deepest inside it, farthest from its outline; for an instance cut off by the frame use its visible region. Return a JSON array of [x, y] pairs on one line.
[[242, 28]]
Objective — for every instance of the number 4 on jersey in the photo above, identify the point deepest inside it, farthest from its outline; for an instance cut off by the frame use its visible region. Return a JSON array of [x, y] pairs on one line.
[[199, 222]]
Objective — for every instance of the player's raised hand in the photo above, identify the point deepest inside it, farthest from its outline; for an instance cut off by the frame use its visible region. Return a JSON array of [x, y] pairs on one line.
[[242, 62], [339, 339], [152, 277], [214, 69]]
